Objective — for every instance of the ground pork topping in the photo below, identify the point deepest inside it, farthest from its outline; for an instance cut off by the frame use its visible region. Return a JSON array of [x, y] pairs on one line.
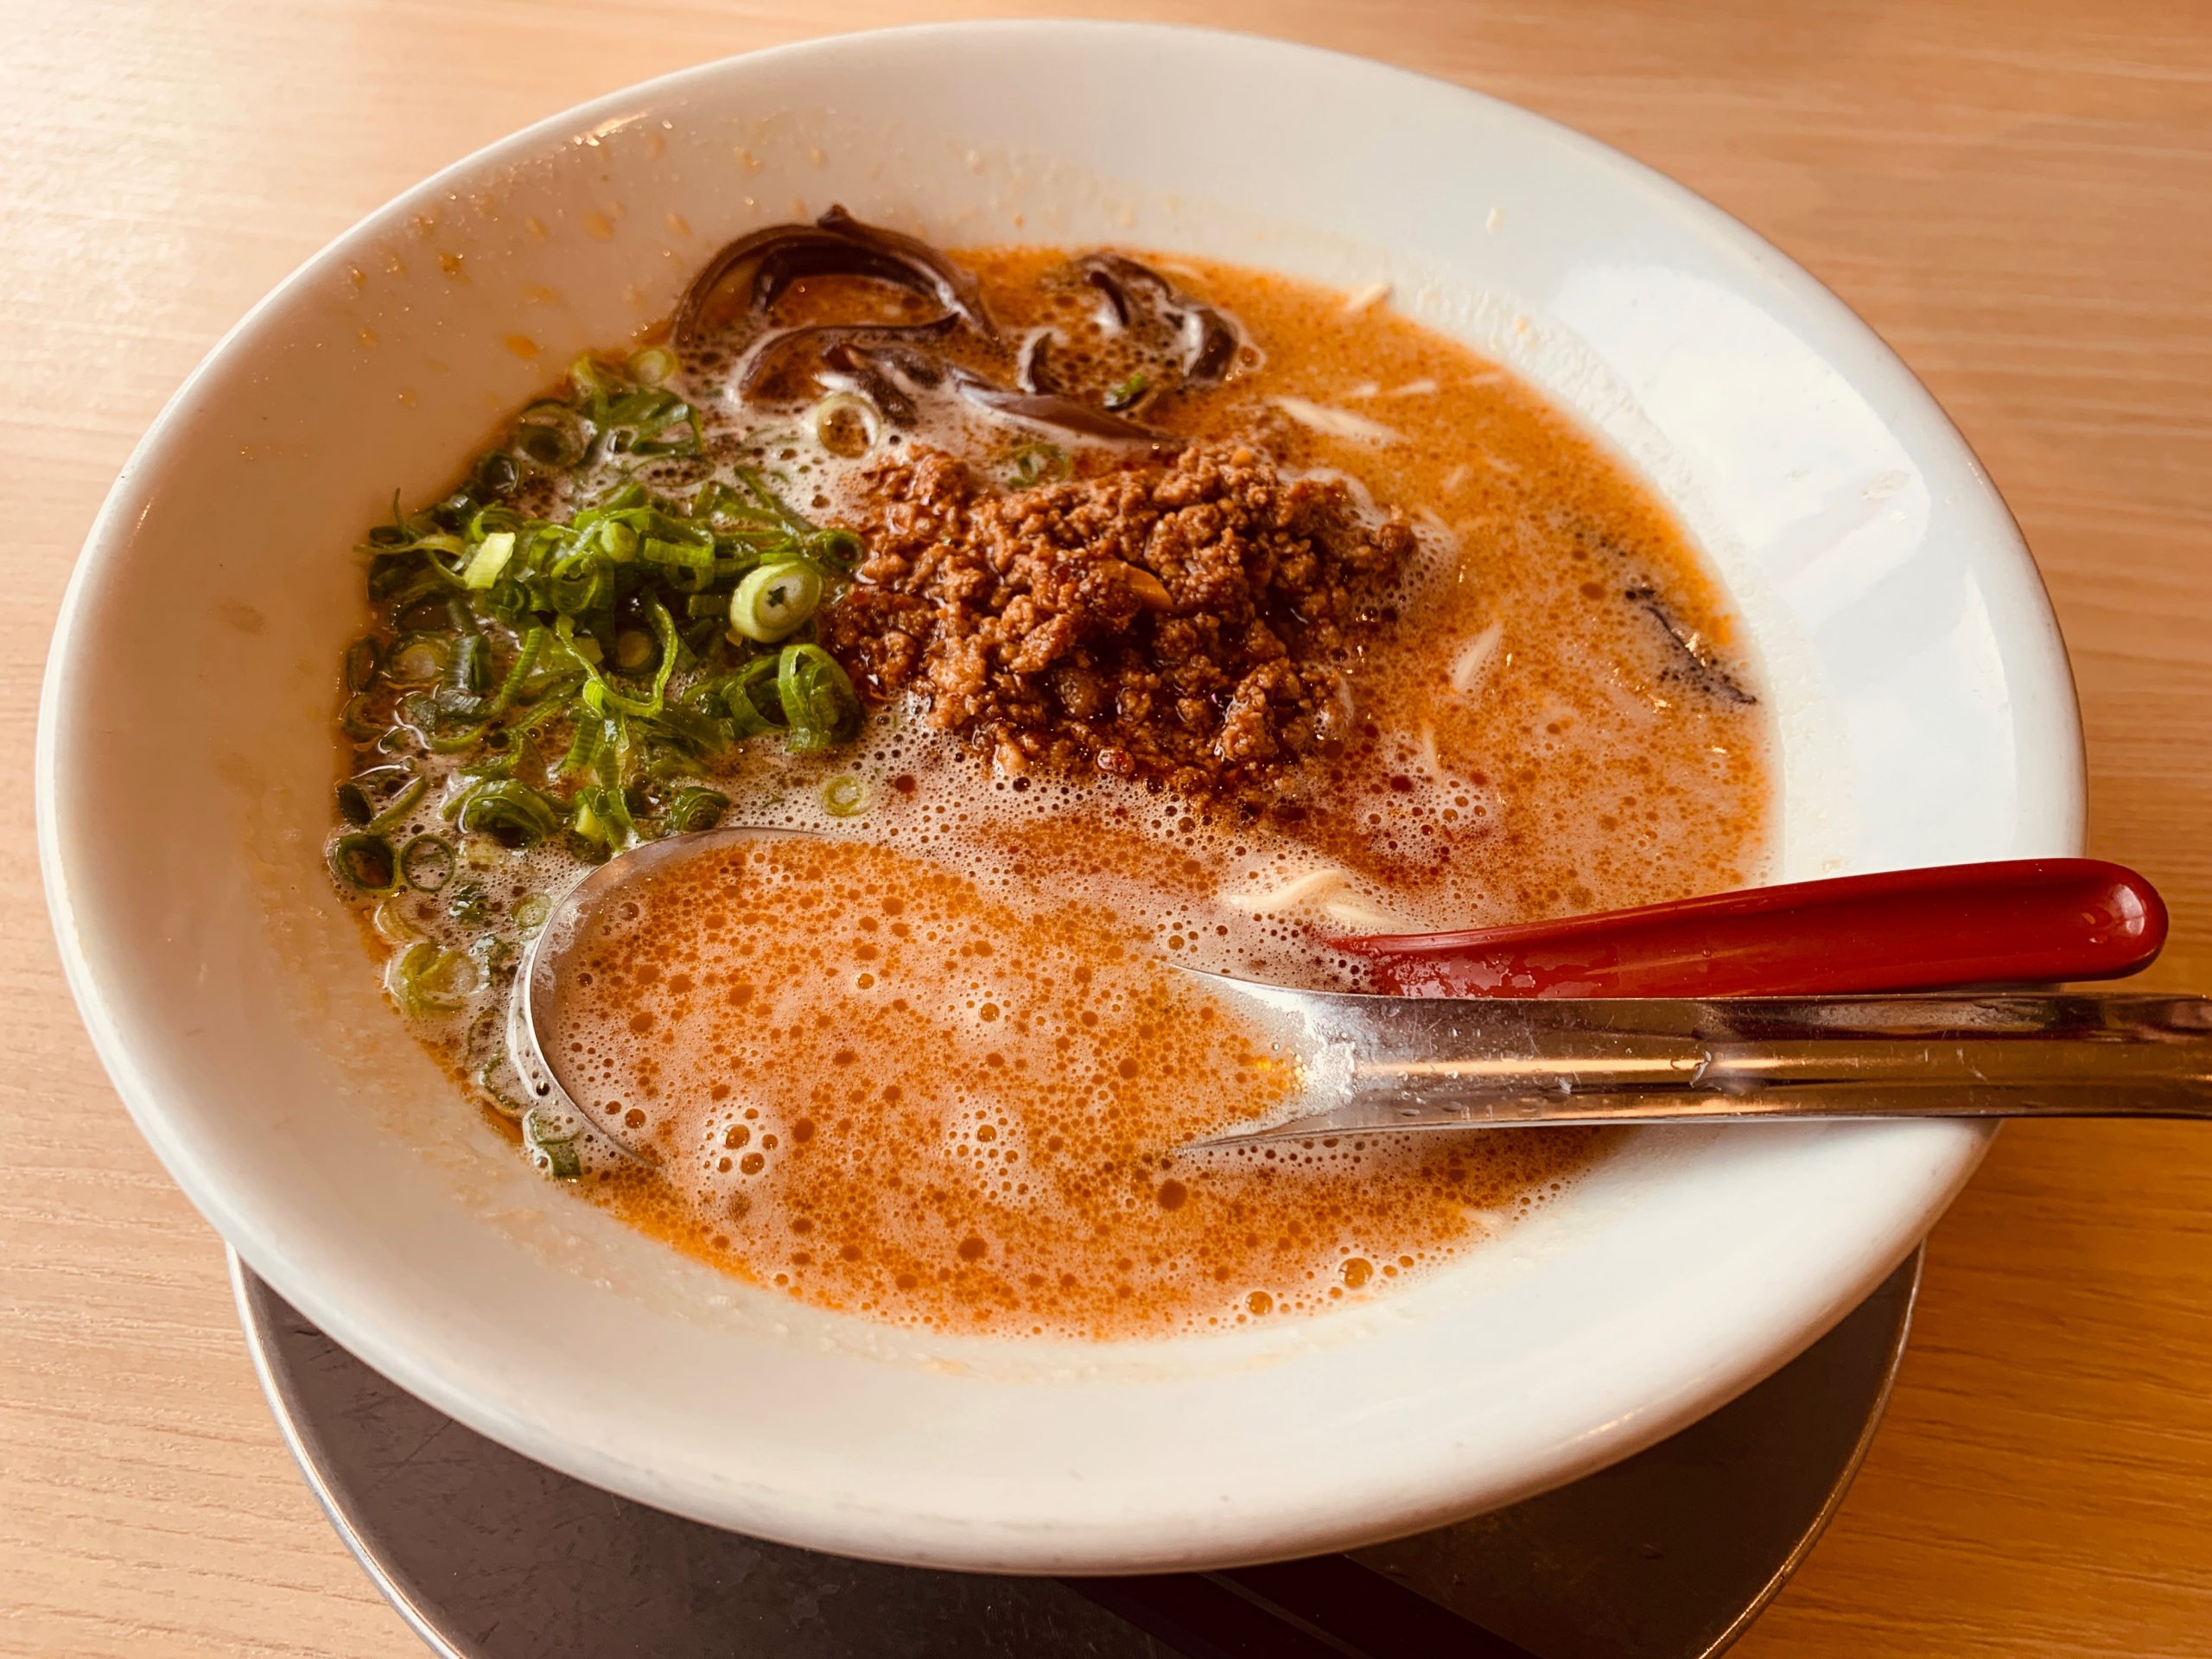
[[1188, 620]]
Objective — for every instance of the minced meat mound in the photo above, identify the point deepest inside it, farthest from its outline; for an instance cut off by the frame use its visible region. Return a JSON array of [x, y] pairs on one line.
[[1185, 620]]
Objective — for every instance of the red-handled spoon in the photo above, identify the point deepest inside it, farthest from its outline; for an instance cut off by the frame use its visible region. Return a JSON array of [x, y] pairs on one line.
[[2030, 921]]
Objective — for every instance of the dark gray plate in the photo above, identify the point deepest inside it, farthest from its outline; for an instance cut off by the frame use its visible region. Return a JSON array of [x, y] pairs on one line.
[[1668, 1555]]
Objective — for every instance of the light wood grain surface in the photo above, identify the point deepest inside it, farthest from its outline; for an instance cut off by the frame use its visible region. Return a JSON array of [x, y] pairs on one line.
[[2018, 196]]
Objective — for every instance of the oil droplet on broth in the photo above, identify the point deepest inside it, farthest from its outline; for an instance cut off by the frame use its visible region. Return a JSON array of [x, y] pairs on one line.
[[981, 1138]]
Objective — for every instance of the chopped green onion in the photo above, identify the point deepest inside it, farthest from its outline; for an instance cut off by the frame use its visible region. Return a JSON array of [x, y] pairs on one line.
[[361, 659], [820, 707], [651, 366], [530, 913], [1039, 463], [600, 695], [677, 436], [354, 805], [584, 744], [846, 423], [497, 473], [502, 1101], [357, 722], [364, 862], [496, 956], [749, 695], [418, 659], [552, 434], [555, 1154], [845, 796], [769, 502], [1126, 394], [469, 906], [490, 558], [486, 1042], [692, 809], [388, 572], [494, 627], [511, 813], [580, 582], [688, 567], [512, 688], [390, 808], [774, 602], [472, 667], [603, 817], [590, 377], [840, 548], [427, 862], [390, 919], [426, 979]]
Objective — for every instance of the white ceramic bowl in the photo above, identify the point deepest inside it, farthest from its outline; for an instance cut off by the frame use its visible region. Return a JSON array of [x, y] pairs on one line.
[[185, 764]]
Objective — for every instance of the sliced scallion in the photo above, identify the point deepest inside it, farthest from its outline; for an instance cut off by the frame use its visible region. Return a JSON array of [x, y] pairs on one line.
[[360, 722], [773, 602], [1128, 392], [426, 978], [399, 804], [364, 863], [602, 816], [469, 905], [846, 423], [651, 366], [392, 922], [418, 659], [427, 862], [600, 695], [836, 546], [749, 695], [490, 558], [518, 676], [553, 1152], [845, 796], [629, 630], [511, 813], [490, 1080], [693, 810], [820, 707], [362, 657], [552, 434], [1039, 463]]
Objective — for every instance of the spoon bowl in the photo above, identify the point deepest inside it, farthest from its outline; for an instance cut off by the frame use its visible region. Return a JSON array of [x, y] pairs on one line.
[[543, 982]]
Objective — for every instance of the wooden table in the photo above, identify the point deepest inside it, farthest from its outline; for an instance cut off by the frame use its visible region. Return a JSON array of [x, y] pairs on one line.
[[2018, 194]]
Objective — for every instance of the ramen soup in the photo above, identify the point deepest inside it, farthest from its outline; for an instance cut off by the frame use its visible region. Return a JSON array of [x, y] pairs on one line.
[[1097, 616]]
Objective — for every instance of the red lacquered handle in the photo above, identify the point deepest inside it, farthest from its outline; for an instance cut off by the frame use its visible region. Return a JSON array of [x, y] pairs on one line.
[[2036, 921]]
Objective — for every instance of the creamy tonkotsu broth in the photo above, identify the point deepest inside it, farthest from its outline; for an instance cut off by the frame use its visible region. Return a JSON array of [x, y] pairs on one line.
[[1099, 616]]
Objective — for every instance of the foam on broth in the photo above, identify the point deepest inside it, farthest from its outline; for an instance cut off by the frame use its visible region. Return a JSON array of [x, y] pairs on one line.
[[888, 1089]]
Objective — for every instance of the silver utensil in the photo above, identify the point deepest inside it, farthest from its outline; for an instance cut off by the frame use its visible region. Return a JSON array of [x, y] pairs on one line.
[[1376, 1064], [534, 1006], [1392, 1063]]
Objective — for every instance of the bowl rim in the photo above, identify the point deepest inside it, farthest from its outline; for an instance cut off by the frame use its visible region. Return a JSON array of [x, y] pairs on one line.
[[1126, 1541]]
